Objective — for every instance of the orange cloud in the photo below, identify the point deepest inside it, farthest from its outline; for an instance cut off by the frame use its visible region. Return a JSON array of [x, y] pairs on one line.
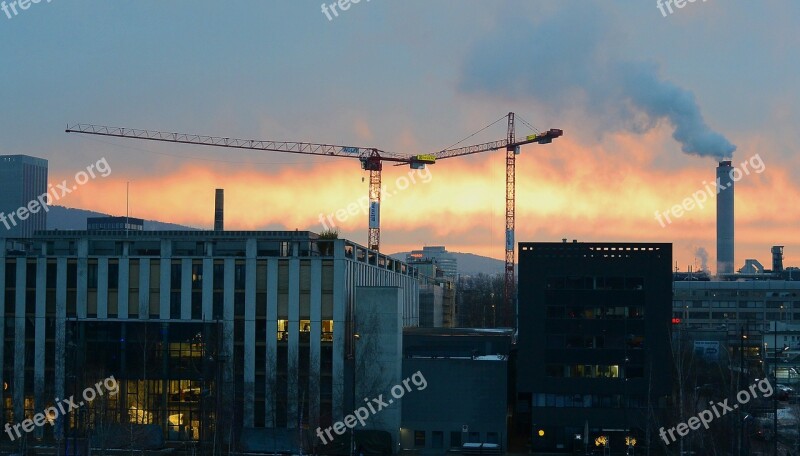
[[606, 191]]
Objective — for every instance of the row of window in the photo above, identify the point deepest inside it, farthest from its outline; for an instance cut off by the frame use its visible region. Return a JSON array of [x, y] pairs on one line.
[[197, 274], [736, 293], [736, 304], [615, 341], [114, 294], [593, 371], [595, 313], [588, 400], [594, 283], [457, 438], [738, 315]]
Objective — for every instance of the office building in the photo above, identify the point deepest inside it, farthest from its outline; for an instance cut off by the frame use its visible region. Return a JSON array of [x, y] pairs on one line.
[[594, 343], [23, 180], [731, 304], [209, 333], [437, 299]]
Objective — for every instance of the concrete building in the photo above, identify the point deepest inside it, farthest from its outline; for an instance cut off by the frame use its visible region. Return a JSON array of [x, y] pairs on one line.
[[23, 180], [379, 353], [731, 304], [430, 306], [594, 342], [466, 399], [437, 299], [208, 333]]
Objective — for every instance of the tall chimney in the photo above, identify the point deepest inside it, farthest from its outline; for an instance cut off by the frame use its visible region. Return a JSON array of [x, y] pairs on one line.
[[219, 210], [777, 258], [725, 258]]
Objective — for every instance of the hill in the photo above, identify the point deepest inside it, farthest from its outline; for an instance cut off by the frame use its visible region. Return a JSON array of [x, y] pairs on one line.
[[64, 218], [468, 263]]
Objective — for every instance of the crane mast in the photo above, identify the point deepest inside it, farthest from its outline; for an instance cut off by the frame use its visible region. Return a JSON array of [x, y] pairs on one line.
[[508, 280], [512, 148]]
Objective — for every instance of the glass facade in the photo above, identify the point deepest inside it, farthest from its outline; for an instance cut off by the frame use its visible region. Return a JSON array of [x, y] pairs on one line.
[[230, 340]]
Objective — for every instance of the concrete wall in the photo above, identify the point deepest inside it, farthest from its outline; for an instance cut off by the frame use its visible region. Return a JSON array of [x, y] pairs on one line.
[[430, 306], [379, 353]]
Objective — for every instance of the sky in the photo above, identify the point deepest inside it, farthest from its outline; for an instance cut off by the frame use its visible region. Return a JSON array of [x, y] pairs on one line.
[[648, 102]]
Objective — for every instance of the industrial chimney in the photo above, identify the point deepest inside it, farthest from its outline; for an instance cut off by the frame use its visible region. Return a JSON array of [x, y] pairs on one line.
[[777, 258], [219, 210], [725, 258]]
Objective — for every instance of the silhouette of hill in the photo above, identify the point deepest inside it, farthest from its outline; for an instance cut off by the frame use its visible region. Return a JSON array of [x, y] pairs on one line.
[[468, 263], [64, 218]]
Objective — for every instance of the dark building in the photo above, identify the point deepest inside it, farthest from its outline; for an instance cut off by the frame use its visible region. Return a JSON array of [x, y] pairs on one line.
[[466, 397], [594, 343], [23, 196]]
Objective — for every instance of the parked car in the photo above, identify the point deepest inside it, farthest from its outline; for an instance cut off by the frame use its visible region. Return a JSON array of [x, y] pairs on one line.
[[783, 392]]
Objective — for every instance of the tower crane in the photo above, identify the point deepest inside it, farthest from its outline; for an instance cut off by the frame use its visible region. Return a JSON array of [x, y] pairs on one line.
[[371, 158], [512, 147]]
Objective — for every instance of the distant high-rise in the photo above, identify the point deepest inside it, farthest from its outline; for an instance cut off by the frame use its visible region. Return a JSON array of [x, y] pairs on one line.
[[444, 260], [23, 180]]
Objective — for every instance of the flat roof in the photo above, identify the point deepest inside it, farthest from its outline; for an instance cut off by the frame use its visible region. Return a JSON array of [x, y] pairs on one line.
[[738, 285], [181, 234], [454, 332]]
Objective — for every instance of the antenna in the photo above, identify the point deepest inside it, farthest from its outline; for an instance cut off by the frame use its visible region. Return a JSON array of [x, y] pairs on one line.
[[127, 207]]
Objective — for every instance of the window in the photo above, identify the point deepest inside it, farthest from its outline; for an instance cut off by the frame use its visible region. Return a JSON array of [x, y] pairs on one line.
[[91, 273], [283, 330], [419, 439], [555, 312], [455, 439], [327, 330], [113, 275], [437, 439], [634, 372], [554, 370]]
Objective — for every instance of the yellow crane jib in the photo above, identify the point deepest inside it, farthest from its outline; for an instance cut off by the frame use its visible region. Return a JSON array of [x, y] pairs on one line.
[[419, 161]]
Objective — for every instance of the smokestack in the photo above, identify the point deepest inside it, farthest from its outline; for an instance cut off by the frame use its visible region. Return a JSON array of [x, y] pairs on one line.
[[725, 219], [777, 258], [219, 210]]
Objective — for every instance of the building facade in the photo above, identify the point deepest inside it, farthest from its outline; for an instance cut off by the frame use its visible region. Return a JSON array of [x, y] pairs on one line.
[[207, 332], [23, 180], [439, 255], [594, 342], [466, 398], [731, 304]]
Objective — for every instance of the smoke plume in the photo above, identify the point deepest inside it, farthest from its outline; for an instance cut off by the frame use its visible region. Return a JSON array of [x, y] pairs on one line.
[[568, 60], [702, 254]]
